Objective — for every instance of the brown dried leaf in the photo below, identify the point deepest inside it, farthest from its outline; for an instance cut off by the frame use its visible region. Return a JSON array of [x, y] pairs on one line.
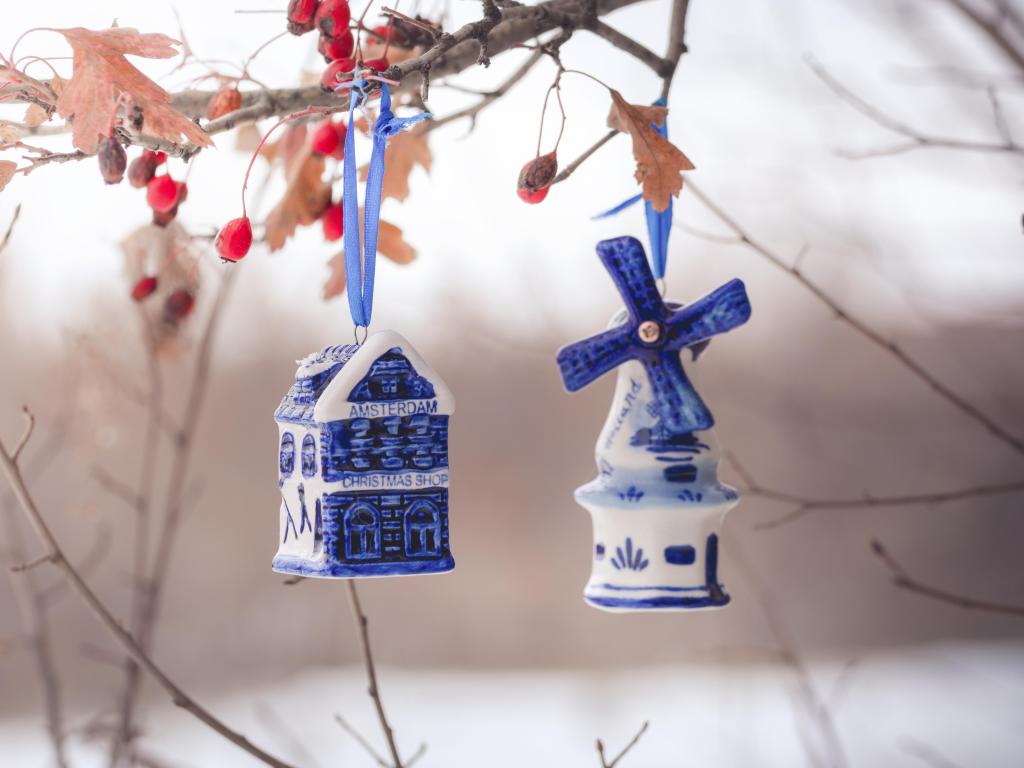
[[9, 133], [286, 147], [35, 115], [405, 151], [7, 169], [305, 198], [659, 162], [247, 138], [390, 245], [102, 73]]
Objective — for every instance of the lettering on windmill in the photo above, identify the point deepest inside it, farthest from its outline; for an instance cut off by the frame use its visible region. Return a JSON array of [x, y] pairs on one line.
[[399, 408], [627, 406]]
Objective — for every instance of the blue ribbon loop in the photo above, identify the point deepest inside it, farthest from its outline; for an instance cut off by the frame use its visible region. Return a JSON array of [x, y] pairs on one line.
[[659, 224], [359, 273]]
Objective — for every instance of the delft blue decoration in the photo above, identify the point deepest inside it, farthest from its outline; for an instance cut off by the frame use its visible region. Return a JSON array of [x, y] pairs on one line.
[[656, 503], [368, 494], [370, 422]]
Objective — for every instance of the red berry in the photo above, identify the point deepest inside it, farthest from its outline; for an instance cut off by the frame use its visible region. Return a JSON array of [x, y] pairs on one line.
[[162, 193], [113, 160], [329, 139], [235, 239], [157, 157], [535, 178], [162, 219], [144, 287], [300, 15], [332, 17], [333, 220], [178, 305], [378, 65], [222, 102], [141, 169], [336, 47], [335, 71], [391, 33]]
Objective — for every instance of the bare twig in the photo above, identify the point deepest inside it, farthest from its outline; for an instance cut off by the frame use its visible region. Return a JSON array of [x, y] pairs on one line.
[[605, 763], [803, 505], [361, 741], [488, 98], [566, 172], [904, 580], [52, 547], [10, 228], [30, 425], [371, 674], [915, 139], [676, 43], [963, 405], [993, 30], [625, 43]]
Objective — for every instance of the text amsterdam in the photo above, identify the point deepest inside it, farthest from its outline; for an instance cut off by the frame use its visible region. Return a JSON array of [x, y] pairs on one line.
[[397, 408]]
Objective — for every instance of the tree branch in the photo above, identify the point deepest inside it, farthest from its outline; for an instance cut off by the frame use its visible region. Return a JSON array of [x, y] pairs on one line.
[[992, 29], [605, 763], [676, 43], [967, 408], [625, 43], [52, 547], [371, 673], [904, 580]]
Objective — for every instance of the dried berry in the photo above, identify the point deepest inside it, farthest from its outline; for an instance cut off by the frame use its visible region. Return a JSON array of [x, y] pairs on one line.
[[178, 305], [391, 34], [145, 287], [332, 17], [377, 65], [536, 176], [333, 221], [235, 239], [162, 193], [300, 16], [113, 160], [158, 157], [329, 139], [163, 218], [335, 72], [336, 47], [141, 169], [222, 102]]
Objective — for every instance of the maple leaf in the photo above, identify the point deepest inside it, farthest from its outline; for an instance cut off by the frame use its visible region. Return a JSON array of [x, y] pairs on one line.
[[390, 245], [7, 169], [404, 152], [659, 162], [101, 75], [305, 198]]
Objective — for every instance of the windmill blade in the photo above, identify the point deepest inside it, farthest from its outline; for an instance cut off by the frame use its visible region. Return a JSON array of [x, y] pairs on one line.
[[721, 310], [682, 410], [626, 262], [586, 360]]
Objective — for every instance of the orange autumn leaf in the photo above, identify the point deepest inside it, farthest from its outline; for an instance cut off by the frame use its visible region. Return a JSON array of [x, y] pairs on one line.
[[659, 162], [101, 74], [404, 152], [7, 169], [305, 198], [390, 245]]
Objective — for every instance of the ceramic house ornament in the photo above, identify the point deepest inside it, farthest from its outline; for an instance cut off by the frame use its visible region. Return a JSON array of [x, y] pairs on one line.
[[656, 503], [363, 463]]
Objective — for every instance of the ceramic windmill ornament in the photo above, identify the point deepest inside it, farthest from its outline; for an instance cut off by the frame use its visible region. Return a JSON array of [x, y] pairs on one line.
[[363, 430], [656, 503]]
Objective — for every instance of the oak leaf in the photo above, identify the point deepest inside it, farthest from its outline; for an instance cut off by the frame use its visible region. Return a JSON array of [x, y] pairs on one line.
[[659, 162], [102, 74], [7, 169], [390, 245], [305, 198], [404, 152]]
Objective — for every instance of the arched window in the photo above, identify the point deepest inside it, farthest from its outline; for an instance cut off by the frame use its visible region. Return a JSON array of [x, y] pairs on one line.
[[287, 458], [362, 532], [308, 456], [422, 530]]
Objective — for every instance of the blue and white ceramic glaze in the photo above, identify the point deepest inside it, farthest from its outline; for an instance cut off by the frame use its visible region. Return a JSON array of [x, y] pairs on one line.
[[657, 503], [363, 463]]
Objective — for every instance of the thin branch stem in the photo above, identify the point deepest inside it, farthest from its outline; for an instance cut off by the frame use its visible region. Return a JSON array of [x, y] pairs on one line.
[[625, 43], [904, 580], [963, 405], [566, 172], [605, 763], [96, 606], [993, 30], [676, 43], [373, 688]]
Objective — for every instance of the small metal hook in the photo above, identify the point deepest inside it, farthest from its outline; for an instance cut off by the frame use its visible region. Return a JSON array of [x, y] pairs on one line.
[[355, 334]]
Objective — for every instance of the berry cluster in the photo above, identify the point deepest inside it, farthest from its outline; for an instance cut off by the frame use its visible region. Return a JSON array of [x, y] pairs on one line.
[[178, 304], [337, 44]]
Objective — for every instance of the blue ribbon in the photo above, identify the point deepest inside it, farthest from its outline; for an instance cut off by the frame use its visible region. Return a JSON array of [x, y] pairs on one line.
[[359, 273], [659, 224]]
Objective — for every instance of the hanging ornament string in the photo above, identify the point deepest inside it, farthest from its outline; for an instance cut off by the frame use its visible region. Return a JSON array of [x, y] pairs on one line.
[[659, 223], [360, 269]]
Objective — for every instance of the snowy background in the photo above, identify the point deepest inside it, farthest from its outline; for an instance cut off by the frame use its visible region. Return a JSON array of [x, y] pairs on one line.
[[500, 663]]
